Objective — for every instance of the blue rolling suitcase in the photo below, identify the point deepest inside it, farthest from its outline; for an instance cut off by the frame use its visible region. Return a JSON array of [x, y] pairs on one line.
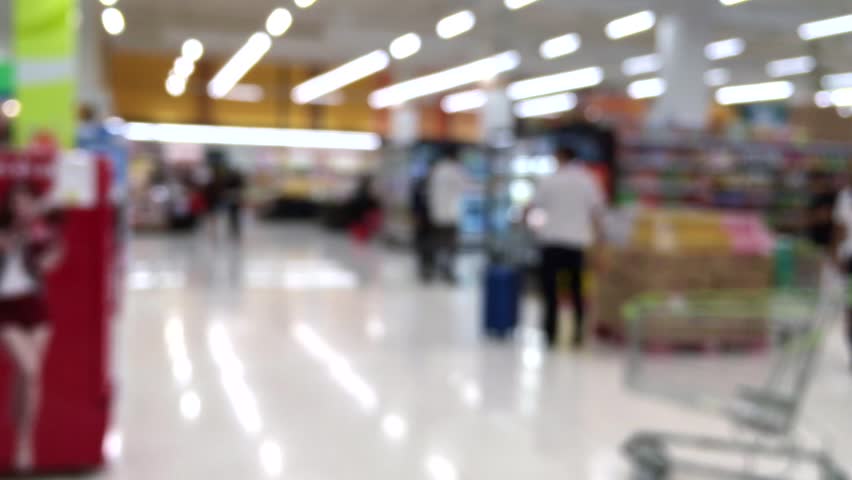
[[502, 300]]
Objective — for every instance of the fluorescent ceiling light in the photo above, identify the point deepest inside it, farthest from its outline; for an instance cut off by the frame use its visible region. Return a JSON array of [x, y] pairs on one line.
[[518, 4], [725, 49], [755, 93], [642, 64], [175, 85], [822, 99], [560, 82], [109, 3], [560, 46], [787, 67], [113, 21], [249, 136], [245, 92], [305, 3], [405, 46], [456, 24], [240, 64], [478, 71], [183, 67], [192, 49], [826, 28], [716, 77], [544, 106], [728, 3], [631, 25], [842, 97], [648, 88], [837, 80], [278, 22], [341, 76], [464, 101]]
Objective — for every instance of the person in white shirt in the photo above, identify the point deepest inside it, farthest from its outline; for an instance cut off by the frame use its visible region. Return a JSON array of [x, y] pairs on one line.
[[566, 215], [446, 190], [843, 242]]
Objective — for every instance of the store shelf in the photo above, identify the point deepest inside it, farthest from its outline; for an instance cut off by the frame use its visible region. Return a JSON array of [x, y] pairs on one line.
[[770, 177]]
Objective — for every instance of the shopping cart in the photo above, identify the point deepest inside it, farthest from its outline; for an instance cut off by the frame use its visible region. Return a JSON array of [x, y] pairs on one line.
[[758, 392]]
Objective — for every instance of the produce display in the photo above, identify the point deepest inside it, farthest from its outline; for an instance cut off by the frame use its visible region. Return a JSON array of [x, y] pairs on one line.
[[677, 251]]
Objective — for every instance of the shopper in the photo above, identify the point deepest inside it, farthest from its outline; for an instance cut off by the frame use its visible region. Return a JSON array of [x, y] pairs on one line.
[[843, 242], [821, 205], [422, 227], [566, 213], [232, 193], [29, 248], [363, 210], [447, 186]]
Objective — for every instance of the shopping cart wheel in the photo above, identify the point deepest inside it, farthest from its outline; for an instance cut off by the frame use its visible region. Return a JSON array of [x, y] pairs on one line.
[[648, 455]]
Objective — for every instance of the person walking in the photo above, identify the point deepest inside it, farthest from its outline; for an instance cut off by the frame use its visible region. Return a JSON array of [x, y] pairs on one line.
[[566, 214], [233, 198], [843, 245], [446, 189], [820, 213], [422, 227]]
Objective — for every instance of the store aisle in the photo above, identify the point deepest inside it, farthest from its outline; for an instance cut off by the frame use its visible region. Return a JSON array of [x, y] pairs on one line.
[[308, 358]]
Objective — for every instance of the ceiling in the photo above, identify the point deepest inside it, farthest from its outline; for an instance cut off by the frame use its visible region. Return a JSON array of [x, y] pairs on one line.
[[334, 31]]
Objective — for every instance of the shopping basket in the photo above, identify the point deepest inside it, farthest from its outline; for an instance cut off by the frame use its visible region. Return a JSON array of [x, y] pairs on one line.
[[759, 392]]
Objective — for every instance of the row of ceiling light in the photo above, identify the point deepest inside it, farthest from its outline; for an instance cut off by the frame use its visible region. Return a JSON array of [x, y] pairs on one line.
[[617, 29], [464, 21], [191, 52], [224, 84], [400, 48]]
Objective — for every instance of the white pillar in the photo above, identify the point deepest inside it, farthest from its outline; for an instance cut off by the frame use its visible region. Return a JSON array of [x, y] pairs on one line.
[[91, 79], [404, 124], [682, 33], [496, 120], [404, 119]]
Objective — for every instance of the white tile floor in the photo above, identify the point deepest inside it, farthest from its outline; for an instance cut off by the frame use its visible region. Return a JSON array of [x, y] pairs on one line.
[[307, 358]]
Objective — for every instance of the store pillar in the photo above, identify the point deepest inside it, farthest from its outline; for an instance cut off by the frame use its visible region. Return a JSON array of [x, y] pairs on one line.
[[91, 87], [44, 43], [404, 125], [682, 33], [496, 121], [405, 119]]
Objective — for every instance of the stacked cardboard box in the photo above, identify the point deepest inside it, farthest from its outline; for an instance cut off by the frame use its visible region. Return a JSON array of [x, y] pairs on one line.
[[676, 252]]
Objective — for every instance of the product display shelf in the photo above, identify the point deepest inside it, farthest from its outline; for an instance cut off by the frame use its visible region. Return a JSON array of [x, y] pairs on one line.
[[759, 176]]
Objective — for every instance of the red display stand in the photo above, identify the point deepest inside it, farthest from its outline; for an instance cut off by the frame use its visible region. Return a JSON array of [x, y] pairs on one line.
[[77, 392]]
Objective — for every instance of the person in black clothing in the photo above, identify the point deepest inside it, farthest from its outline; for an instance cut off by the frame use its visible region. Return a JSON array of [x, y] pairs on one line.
[[820, 221], [363, 201], [363, 210], [234, 184], [423, 229]]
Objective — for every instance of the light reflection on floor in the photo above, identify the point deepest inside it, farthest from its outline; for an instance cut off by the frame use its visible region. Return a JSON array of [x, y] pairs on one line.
[[306, 357]]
